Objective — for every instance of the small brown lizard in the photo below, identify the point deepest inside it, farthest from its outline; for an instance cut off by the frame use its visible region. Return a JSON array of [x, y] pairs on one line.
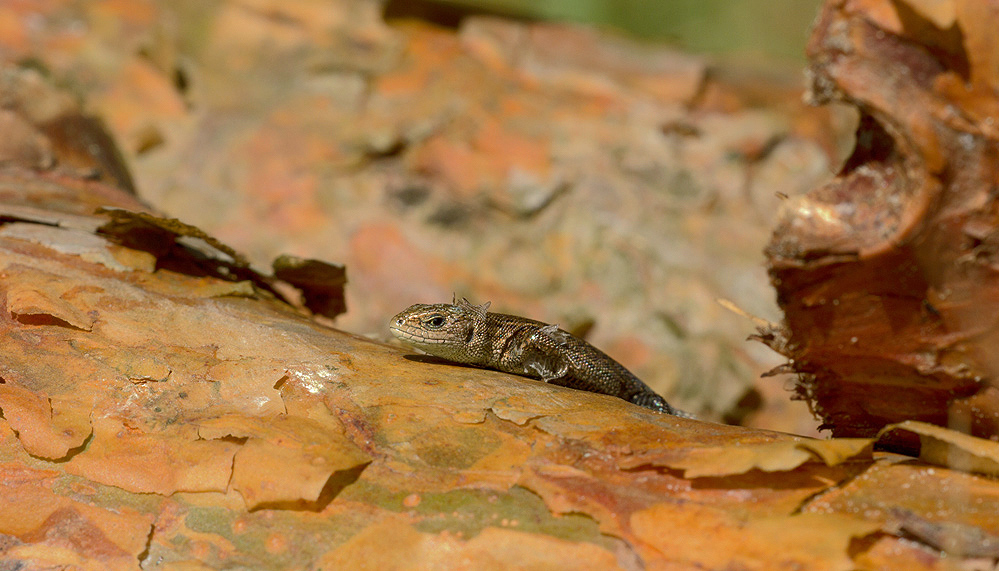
[[467, 333]]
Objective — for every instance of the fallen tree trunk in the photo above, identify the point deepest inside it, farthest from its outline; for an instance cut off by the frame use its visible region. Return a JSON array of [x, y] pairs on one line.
[[166, 406]]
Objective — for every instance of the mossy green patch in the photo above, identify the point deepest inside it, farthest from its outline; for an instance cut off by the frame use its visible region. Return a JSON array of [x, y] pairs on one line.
[[313, 534], [468, 512]]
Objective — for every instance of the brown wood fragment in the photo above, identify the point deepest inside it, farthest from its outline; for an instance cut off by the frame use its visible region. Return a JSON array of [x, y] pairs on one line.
[[887, 274]]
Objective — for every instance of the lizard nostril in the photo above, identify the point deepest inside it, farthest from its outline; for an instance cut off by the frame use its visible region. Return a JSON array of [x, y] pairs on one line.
[[398, 322]]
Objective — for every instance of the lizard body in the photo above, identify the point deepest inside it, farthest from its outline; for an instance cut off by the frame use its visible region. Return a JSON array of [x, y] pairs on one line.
[[467, 333]]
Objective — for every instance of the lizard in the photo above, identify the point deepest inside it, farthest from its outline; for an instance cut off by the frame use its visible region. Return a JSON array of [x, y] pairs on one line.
[[466, 333]]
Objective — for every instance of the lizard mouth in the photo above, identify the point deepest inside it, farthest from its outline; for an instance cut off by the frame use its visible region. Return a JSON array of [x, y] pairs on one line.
[[416, 338], [402, 332]]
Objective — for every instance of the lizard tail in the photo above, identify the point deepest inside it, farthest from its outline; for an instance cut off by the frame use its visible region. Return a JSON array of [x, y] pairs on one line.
[[657, 403]]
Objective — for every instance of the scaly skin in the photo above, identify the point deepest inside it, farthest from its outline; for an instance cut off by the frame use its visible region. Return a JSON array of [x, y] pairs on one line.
[[467, 333]]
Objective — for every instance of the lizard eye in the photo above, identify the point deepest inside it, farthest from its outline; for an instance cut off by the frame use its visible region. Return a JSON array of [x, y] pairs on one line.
[[435, 322]]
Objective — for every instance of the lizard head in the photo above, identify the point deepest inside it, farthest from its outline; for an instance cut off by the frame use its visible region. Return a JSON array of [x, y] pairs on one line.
[[441, 329]]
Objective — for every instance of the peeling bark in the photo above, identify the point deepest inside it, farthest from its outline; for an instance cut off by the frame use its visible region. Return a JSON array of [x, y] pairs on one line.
[[887, 275]]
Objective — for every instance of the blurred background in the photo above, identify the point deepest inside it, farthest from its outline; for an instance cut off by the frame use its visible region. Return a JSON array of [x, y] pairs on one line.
[[761, 33]]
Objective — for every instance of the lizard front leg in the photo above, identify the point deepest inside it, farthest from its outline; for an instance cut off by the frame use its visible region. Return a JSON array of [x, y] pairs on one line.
[[544, 359]]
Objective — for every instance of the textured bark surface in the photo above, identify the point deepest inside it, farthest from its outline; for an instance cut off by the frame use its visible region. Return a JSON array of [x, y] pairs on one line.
[[157, 414], [887, 275]]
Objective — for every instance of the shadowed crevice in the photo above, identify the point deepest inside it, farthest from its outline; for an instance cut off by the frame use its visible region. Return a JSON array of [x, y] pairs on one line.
[[336, 483], [43, 319]]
